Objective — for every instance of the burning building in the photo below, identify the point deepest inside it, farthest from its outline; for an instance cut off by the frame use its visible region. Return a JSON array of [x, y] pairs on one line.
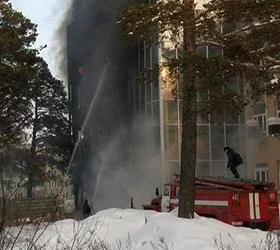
[[126, 132], [108, 164]]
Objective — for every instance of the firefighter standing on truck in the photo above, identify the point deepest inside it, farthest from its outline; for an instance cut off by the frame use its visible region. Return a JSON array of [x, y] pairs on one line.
[[234, 160]]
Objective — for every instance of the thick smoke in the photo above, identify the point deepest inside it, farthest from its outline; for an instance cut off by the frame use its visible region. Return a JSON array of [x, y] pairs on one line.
[[116, 158], [59, 44]]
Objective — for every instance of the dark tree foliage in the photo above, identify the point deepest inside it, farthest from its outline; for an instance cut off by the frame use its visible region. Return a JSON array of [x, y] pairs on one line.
[[245, 36], [33, 106], [50, 140], [50, 122], [17, 34]]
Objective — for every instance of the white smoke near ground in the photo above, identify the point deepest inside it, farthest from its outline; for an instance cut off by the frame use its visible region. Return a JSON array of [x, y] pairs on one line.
[[119, 175]]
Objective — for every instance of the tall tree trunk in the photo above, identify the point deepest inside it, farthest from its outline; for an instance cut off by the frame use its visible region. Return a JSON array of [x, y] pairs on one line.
[[32, 167], [188, 149], [3, 207], [29, 187]]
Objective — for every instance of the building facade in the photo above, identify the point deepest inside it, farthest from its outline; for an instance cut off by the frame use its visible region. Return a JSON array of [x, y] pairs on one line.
[[263, 141], [155, 101], [109, 161]]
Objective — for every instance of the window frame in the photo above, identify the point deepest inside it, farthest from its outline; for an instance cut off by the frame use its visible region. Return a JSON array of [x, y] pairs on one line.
[[263, 123], [260, 116], [259, 170], [278, 107]]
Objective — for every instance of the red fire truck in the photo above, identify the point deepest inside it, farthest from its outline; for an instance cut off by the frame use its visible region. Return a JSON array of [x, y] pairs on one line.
[[246, 203]]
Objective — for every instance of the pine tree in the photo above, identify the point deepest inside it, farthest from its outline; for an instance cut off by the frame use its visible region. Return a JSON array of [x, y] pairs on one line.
[[17, 34], [245, 35], [31, 100], [50, 138]]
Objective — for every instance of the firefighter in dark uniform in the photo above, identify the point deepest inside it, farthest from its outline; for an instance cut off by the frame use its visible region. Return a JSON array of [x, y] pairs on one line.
[[86, 210], [234, 160]]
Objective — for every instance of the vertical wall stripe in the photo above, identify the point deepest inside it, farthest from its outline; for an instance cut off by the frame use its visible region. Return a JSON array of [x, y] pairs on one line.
[[251, 206], [257, 206]]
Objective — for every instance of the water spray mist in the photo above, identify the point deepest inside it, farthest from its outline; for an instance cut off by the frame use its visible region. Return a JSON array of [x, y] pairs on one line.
[[81, 133]]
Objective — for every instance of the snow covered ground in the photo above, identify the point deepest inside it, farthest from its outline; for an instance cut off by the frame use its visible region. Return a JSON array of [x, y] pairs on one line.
[[146, 230]]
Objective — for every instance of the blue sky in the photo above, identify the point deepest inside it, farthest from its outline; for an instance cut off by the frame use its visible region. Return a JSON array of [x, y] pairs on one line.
[[48, 15]]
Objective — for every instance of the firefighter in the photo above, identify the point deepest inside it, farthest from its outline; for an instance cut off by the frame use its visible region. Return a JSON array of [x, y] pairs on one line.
[[234, 160], [86, 210]]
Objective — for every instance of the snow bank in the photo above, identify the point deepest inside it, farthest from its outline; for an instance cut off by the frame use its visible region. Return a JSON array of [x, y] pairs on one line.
[[110, 226], [148, 230], [198, 233]]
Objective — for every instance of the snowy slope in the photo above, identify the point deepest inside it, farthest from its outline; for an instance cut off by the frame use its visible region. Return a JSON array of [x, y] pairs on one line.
[[199, 233], [148, 230]]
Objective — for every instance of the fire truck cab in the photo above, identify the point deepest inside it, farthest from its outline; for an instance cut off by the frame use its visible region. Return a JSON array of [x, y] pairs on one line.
[[246, 203]]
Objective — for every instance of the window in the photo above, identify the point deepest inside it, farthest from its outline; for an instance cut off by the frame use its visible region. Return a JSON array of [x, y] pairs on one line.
[[203, 147], [214, 51], [278, 107], [143, 100], [232, 136], [171, 142], [170, 112], [261, 119], [156, 112], [148, 91], [260, 116], [217, 142], [201, 51], [203, 168], [261, 172], [166, 191]]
